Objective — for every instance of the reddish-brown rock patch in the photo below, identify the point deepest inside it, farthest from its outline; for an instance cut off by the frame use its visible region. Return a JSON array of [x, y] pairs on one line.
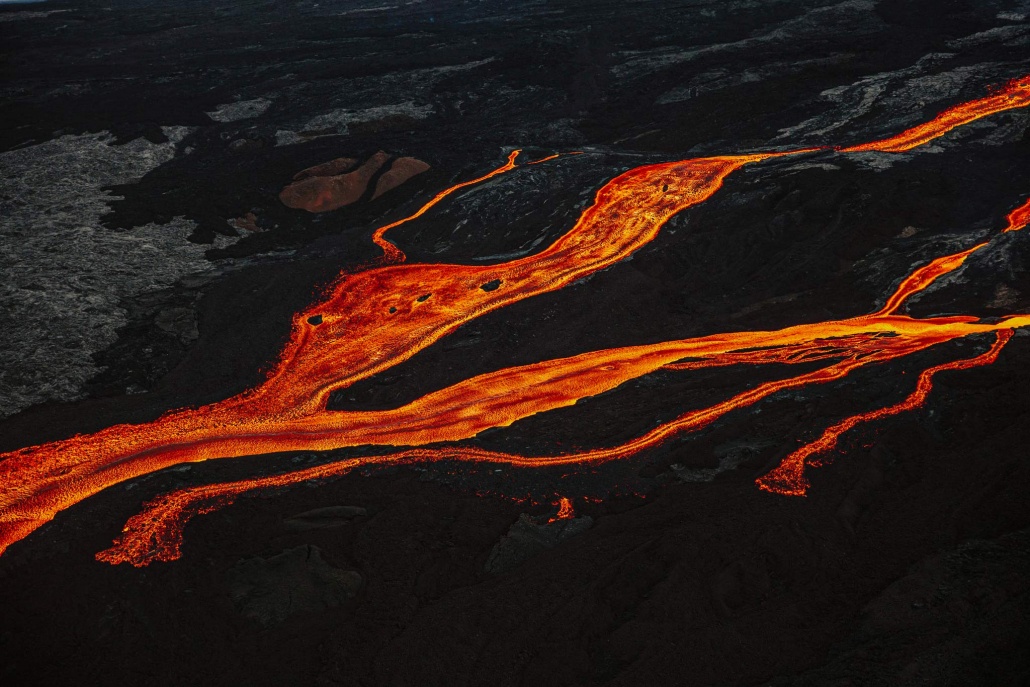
[[402, 169], [325, 193], [247, 223]]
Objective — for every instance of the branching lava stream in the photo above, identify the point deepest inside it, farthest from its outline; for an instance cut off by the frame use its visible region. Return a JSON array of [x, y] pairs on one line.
[[377, 318]]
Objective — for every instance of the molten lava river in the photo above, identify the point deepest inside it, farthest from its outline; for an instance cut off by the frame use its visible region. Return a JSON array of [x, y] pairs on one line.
[[371, 320]]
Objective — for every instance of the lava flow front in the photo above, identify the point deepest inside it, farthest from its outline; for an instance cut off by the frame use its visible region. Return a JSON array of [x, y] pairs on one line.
[[374, 319]]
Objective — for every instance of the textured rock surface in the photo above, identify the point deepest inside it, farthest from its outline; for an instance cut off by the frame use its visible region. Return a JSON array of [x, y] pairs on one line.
[[942, 623], [296, 581], [246, 109], [63, 274], [319, 518], [528, 536]]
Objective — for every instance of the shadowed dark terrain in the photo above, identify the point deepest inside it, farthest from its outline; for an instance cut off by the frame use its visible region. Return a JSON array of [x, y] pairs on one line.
[[148, 264]]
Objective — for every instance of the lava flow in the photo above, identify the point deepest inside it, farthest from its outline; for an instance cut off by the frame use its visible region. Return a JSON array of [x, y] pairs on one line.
[[1011, 95], [788, 477], [565, 510], [392, 254], [375, 319]]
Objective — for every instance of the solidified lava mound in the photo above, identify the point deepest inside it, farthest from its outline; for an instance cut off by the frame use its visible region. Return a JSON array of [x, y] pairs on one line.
[[330, 186], [320, 189], [402, 169]]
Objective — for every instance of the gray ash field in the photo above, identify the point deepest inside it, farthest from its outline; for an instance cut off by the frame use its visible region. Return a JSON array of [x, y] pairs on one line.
[[178, 180]]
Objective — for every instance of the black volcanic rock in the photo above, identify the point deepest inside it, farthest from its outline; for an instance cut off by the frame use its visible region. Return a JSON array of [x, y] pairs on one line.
[[318, 518], [296, 581], [529, 536], [956, 618]]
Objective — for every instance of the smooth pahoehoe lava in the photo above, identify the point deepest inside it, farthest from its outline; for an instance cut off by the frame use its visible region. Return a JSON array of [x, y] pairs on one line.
[[374, 319]]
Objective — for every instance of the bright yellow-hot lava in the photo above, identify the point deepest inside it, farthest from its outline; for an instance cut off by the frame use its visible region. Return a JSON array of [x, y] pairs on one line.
[[374, 319]]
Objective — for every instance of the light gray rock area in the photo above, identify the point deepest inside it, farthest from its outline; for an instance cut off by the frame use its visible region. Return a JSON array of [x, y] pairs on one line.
[[370, 100], [244, 109], [718, 79], [176, 134], [62, 274], [858, 15], [28, 14], [1011, 36], [298, 580], [528, 536], [892, 101], [338, 122], [1019, 13]]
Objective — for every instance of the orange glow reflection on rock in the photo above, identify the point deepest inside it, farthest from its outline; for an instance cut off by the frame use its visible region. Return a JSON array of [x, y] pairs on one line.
[[375, 319]]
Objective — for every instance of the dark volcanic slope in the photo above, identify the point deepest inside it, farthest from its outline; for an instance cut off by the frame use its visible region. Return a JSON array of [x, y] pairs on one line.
[[149, 264]]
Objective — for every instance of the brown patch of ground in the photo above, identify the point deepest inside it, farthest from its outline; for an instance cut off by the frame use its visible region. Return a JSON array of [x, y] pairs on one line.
[[402, 169], [325, 193]]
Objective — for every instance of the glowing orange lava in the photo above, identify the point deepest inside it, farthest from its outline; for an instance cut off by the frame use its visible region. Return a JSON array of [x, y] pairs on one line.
[[1018, 218], [392, 254], [375, 319], [565, 511], [1015, 93], [789, 476]]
